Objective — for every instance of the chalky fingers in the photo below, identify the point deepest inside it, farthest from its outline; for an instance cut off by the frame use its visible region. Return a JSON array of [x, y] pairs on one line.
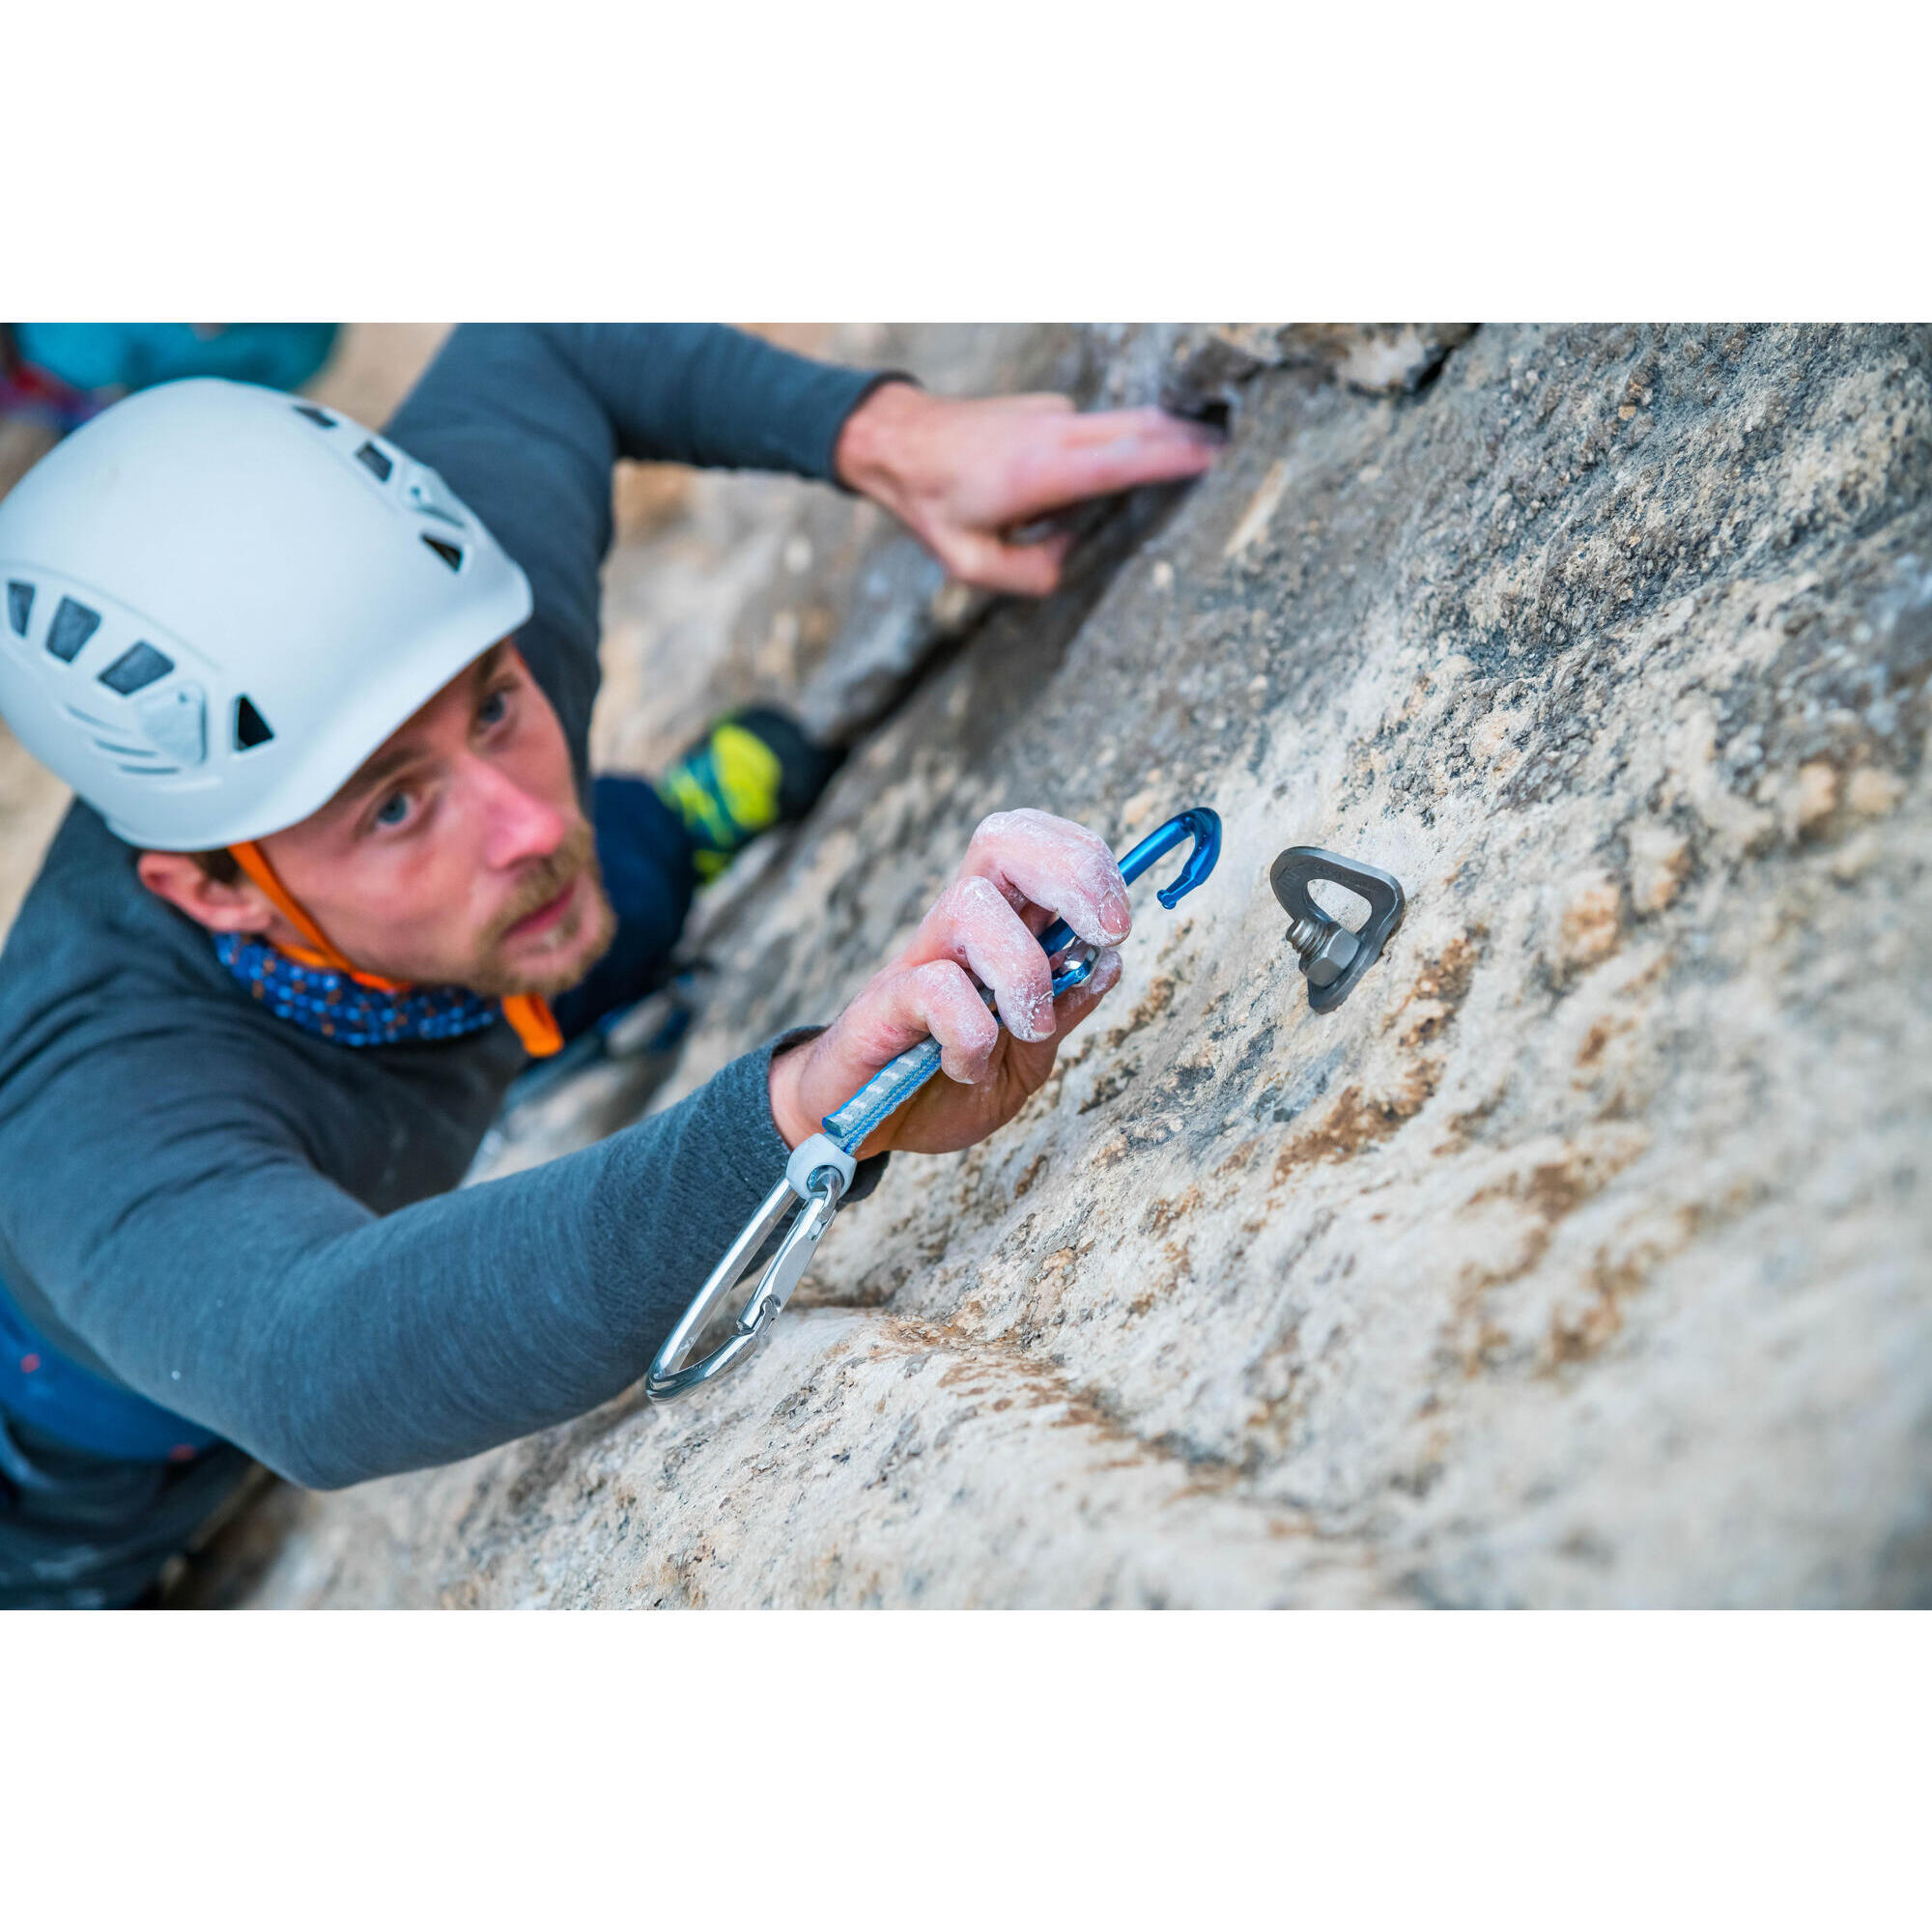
[[1035, 859]]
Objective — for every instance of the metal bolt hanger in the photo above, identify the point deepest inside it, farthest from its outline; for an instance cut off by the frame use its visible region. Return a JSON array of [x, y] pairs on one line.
[[1333, 956]]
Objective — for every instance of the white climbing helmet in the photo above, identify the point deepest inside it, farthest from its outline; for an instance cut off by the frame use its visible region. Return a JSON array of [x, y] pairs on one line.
[[221, 599]]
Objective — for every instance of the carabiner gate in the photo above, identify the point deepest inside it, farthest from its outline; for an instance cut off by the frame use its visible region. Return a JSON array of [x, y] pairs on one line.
[[1199, 822], [815, 1181]]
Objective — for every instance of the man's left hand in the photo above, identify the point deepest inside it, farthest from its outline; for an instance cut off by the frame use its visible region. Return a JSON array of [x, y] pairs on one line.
[[961, 476]]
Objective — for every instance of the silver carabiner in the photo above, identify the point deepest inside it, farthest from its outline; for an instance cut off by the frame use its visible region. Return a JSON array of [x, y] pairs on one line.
[[823, 1176]]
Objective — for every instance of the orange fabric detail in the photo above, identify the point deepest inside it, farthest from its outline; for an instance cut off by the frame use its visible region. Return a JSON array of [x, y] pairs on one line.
[[253, 860], [535, 1024], [527, 1012]]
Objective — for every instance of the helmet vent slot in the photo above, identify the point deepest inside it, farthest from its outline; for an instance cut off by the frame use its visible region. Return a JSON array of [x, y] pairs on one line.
[[189, 579], [251, 728], [73, 625], [135, 668]]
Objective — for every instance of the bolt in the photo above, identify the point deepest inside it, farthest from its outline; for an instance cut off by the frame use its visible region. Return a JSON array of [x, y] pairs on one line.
[[1327, 950]]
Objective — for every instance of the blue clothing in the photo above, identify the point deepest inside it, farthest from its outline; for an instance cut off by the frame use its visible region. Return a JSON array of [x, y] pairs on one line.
[[252, 1226], [332, 1005], [39, 1386], [646, 858], [138, 355]]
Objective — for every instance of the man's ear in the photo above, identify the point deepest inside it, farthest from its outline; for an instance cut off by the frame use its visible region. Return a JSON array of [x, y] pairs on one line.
[[175, 876]]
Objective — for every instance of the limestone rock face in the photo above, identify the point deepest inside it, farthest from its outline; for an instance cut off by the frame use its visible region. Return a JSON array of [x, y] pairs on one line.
[[1579, 1259]]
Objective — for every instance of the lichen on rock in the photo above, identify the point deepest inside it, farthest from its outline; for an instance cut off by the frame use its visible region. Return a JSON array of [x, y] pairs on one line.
[[1579, 1259]]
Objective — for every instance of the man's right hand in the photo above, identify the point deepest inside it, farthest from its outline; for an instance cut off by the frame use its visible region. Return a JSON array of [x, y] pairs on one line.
[[1023, 869]]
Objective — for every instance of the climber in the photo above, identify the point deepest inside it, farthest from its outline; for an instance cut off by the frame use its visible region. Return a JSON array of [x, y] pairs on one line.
[[330, 880]]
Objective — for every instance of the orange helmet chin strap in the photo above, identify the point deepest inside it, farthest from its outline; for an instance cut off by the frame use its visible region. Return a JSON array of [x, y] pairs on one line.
[[527, 1012], [319, 951]]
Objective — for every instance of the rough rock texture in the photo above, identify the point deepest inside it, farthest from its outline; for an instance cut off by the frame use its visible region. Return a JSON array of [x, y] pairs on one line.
[[1579, 1260]]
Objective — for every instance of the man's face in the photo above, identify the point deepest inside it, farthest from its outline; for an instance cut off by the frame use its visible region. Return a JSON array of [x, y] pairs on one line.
[[457, 855]]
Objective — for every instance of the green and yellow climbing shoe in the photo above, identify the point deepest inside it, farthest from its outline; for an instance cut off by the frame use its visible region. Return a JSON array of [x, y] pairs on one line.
[[752, 770]]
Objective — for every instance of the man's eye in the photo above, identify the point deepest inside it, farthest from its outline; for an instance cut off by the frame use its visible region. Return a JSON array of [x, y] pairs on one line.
[[393, 810], [494, 708]]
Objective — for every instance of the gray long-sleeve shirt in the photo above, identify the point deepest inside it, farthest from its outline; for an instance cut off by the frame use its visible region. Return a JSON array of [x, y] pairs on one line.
[[252, 1226]]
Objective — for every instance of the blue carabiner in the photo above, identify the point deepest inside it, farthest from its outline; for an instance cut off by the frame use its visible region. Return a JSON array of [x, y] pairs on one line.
[[899, 1079], [1199, 822]]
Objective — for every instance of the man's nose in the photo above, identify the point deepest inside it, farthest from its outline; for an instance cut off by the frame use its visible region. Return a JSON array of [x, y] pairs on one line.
[[518, 825]]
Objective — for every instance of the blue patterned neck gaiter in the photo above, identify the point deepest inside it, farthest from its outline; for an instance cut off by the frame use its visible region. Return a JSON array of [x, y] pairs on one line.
[[333, 1007]]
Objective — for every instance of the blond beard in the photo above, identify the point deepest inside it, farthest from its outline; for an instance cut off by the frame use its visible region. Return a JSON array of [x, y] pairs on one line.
[[578, 854]]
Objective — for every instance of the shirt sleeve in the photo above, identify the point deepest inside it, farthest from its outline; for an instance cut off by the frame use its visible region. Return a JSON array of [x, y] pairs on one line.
[[216, 1271], [524, 420]]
